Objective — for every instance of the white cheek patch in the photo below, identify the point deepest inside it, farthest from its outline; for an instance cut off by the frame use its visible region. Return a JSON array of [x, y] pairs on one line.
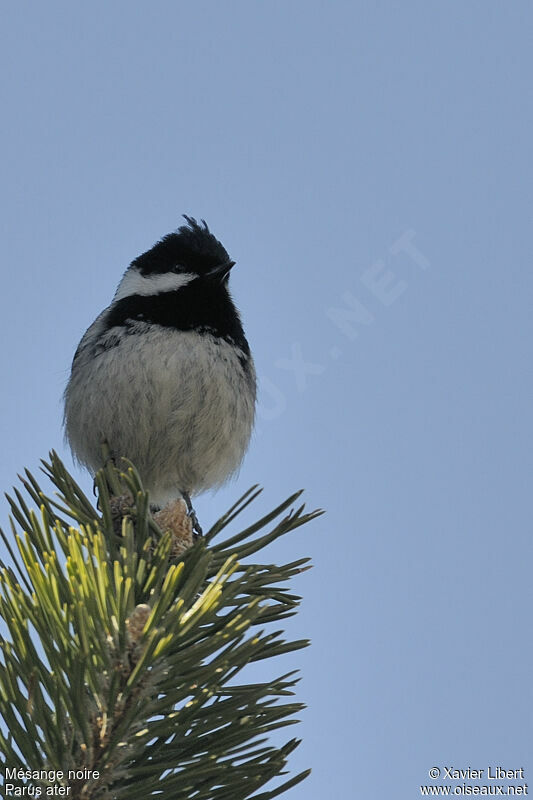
[[135, 283]]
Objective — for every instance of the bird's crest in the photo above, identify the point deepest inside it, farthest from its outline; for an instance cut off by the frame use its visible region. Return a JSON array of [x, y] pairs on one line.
[[193, 246]]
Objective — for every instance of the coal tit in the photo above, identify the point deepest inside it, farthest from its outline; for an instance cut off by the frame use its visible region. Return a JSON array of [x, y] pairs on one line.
[[164, 374]]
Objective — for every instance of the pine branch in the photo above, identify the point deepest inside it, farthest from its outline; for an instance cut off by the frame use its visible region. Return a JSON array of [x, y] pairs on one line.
[[122, 650]]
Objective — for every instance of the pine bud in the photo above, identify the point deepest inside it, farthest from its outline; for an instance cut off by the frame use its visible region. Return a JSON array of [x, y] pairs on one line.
[[137, 620], [174, 518]]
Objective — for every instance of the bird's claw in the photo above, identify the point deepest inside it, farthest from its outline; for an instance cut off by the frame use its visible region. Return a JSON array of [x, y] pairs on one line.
[[197, 529]]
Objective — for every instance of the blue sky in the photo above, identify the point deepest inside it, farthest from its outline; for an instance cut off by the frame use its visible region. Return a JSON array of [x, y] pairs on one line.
[[368, 166]]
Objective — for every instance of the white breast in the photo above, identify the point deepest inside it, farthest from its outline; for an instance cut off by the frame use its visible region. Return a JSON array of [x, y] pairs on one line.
[[177, 403]]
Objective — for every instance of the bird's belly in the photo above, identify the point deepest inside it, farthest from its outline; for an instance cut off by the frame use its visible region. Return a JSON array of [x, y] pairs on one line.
[[178, 404]]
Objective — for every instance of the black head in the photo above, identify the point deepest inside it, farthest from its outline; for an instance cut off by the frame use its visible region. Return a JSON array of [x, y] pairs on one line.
[[190, 249]]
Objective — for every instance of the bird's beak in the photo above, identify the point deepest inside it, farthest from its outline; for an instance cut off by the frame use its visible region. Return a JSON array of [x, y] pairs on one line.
[[221, 272]]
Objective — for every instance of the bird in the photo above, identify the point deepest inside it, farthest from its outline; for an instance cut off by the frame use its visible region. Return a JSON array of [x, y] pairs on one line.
[[165, 375]]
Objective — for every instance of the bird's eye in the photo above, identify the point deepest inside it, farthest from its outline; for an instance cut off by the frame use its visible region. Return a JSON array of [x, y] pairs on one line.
[[177, 268]]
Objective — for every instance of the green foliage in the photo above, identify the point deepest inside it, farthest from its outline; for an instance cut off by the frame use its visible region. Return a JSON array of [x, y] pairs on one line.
[[122, 659]]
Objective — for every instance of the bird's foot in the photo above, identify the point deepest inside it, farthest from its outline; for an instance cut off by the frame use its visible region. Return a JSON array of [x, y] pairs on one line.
[[192, 515]]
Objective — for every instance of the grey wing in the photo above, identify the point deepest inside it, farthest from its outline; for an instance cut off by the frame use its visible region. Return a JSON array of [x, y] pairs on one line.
[[89, 340]]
